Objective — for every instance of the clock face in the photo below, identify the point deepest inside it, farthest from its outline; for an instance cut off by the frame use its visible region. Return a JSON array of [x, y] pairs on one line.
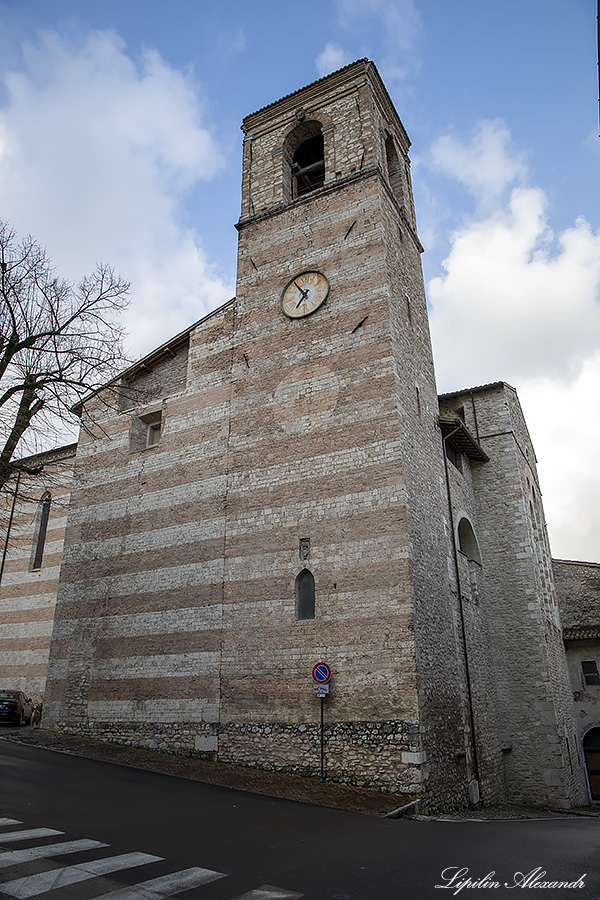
[[304, 294]]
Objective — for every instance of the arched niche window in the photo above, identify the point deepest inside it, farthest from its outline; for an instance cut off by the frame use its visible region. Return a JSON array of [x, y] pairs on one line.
[[467, 542], [305, 595], [304, 154], [532, 513], [43, 516], [394, 168]]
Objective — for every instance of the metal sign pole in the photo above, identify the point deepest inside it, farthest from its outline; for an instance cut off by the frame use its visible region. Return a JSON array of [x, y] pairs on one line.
[[322, 743], [321, 676]]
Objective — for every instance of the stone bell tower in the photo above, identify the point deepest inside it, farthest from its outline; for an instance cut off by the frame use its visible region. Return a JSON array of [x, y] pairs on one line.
[[335, 544]]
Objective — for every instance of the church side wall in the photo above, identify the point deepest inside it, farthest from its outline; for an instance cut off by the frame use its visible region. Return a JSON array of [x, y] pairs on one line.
[[474, 599], [535, 714], [28, 594], [443, 704], [136, 641]]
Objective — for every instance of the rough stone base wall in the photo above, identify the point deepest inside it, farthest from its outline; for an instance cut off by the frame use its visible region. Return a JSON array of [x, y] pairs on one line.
[[172, 737], [383, 755]]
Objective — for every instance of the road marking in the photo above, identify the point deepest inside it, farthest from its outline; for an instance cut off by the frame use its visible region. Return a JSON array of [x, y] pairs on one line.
[[32, 885], [165, 886], [268, 892], [14, 857], [153, 889], [28, 835]]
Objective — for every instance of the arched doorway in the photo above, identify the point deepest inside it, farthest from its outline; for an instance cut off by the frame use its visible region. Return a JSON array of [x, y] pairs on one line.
[[591, 748]]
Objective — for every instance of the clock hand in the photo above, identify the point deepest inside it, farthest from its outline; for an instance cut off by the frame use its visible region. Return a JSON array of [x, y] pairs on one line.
[[303, 295]]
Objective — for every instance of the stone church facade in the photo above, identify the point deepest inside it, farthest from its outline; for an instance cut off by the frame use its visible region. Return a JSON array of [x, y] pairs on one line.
[[280, 485], [33, 519]]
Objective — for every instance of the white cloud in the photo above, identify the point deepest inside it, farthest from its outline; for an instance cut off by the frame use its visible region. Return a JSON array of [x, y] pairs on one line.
[[566, 431], [331, 58], [520, 304], [96, 150], [512, 303], [486, 166]]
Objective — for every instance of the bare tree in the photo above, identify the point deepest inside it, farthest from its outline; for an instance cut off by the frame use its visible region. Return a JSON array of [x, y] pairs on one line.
[[58, 342]]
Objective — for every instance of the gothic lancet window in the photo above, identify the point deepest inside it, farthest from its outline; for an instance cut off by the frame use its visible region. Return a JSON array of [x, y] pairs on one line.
[[305, 595], [43, 515]]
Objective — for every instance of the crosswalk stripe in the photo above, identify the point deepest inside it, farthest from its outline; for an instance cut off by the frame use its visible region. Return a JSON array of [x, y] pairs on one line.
[[11, 836], [165, 886], [152, 889], [14, 857], [268, 892], [33, 885]]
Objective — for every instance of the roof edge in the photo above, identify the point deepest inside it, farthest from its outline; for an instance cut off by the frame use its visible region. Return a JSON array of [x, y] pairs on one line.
[[575, 562], [151, 357], [345, 68], [64, 450], [478, 389]]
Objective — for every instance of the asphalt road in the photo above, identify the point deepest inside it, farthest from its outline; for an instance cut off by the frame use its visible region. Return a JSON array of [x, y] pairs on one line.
[[173, 837]]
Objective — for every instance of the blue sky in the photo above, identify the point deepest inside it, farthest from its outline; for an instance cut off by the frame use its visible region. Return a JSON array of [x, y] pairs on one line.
[[120, 141]]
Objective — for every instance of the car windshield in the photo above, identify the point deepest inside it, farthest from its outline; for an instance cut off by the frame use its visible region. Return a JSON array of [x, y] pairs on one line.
[[9, 695]]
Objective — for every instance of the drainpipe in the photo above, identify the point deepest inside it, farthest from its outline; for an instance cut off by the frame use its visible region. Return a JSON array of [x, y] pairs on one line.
[[473, 405], [12, 512], [461, 611]]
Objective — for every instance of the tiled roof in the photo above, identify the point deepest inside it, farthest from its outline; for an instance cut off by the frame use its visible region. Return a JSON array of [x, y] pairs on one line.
[[474, 390], [349, 66], [582, 633]]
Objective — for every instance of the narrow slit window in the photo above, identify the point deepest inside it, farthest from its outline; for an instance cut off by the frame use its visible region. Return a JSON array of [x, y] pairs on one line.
[[394, 168], [44, 515], [305, 595]]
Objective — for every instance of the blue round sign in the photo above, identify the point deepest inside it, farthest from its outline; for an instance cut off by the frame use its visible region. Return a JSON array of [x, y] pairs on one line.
[[321, 673]]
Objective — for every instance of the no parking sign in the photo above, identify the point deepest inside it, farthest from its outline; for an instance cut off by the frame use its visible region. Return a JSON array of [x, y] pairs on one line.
[[321, 673]]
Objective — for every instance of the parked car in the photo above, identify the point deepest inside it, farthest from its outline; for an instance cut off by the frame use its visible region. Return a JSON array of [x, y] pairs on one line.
[[15, 708]]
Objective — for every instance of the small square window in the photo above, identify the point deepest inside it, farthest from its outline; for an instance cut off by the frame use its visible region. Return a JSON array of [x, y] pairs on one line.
[[153, 434], [145, 431], [590, 671]]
